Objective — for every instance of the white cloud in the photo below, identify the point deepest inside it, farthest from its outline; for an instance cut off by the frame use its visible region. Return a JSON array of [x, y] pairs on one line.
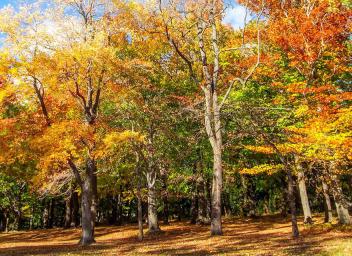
[[234, 16]]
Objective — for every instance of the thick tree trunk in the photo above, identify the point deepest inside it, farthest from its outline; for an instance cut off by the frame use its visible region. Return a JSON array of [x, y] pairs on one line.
[[86, 204], [327, 202], [88, 186], [304, 197], [291, 199], [153, 225]]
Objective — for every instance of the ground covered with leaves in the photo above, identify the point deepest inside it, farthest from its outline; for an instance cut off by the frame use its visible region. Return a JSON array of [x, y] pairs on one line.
[[262, 236]]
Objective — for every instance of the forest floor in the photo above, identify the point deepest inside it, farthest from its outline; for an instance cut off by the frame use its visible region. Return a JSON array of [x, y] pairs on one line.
[[262, 236]]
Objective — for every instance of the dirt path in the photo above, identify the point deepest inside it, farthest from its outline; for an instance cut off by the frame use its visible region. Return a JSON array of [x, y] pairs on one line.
[[265, 236]]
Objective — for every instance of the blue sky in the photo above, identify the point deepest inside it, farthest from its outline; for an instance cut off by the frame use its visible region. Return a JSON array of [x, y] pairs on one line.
[[5, 2], [234, 14]]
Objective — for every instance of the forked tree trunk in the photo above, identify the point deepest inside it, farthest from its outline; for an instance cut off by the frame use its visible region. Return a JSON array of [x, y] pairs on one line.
[[327, 203], [88, 186], [153, 225], [304, 197], [291, 199]]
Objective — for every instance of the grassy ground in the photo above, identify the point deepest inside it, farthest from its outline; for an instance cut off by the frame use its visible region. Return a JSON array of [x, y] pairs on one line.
[[264, 236]]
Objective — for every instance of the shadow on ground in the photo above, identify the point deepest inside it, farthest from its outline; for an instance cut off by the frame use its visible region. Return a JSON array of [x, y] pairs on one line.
[[264, 236]]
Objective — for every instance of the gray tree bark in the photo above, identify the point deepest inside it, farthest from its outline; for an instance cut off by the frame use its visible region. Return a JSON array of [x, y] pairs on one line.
[[341, 204], [89, 196], [304, 196], [327, 202], [87, 237], [339, 198], [153, 225]]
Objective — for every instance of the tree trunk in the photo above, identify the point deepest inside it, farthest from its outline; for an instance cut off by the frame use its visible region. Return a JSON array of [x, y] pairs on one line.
[[203, 212], [68, 211], [216, 228], [194, 205], [291, 199], [51, 213], [2, 221], [88, 186], [340, 202], [339, 197], [75, 209], [165, 201], [47, 213], [304, 197], [118, 216], [194, 199], [7, 219], [139, 205], [153, 224], [92, 168], [327, 203], [87, 227], [31, 218]]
